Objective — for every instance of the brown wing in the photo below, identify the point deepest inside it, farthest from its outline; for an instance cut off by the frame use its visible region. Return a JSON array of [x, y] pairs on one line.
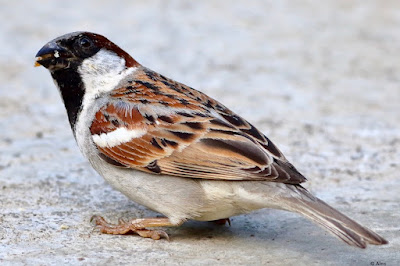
[[156, 125]]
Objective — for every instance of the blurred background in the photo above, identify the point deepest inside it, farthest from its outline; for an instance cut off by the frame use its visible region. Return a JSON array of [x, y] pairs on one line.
[[321, 79]]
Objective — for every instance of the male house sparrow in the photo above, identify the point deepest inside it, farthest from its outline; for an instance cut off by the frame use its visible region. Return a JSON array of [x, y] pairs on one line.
[[172, 148]]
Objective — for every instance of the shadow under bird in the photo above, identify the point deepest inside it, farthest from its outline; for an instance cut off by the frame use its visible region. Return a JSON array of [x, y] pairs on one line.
[[172, 148]]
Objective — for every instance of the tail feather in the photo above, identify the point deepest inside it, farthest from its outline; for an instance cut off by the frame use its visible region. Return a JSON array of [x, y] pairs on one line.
[[332, 220]]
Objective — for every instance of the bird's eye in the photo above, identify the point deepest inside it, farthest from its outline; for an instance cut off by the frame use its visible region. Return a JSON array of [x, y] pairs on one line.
[[85, 42], [85, 47]]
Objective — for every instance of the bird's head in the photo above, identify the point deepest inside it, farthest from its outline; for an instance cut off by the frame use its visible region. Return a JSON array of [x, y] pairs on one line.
[[72, 49], [84, 66]]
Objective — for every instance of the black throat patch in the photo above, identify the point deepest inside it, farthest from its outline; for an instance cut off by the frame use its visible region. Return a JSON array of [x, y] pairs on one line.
[[72, 92]]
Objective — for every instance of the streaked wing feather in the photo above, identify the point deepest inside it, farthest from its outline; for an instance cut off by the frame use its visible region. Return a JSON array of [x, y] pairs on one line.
[[175, 130]]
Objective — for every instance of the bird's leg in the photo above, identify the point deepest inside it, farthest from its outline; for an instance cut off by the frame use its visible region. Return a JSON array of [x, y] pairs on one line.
[[222, 221], [137, 226]]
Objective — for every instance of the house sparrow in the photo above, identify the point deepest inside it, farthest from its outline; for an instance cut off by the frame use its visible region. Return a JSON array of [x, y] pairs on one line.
[[172, 148]]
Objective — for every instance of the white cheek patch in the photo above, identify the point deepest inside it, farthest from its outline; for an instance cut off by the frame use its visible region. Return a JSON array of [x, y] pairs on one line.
[[102, 72], [117, 137]]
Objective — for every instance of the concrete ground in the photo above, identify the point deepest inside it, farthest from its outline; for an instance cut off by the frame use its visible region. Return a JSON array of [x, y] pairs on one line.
[[321, 79]]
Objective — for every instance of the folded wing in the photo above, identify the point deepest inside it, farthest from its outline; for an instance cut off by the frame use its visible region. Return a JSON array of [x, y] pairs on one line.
[[164, 127]]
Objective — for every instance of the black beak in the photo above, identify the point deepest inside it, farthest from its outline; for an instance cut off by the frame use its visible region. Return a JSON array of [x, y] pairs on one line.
[[52, 56]]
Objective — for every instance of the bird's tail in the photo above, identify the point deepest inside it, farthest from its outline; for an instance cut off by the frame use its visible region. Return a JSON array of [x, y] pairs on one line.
[[332, 220]]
